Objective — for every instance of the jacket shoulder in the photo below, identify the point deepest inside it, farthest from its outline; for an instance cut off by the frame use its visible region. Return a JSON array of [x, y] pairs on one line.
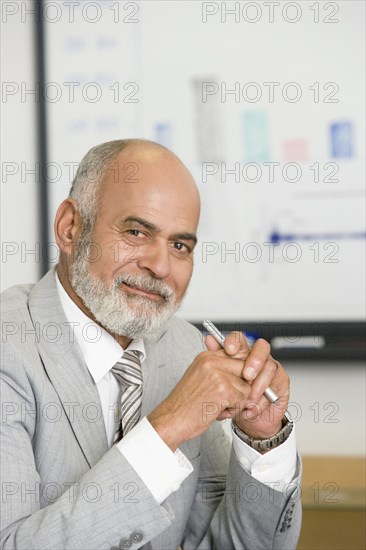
[[181, 327], [15, 299], [182, 337]]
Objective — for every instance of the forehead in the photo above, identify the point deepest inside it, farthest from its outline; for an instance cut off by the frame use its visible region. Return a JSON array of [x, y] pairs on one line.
[[149, 182]]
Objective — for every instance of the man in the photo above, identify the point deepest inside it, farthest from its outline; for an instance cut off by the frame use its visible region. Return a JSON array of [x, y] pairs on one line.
[[110, 405]]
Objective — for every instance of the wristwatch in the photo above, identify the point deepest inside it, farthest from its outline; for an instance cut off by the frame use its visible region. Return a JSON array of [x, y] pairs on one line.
[[270, 443]]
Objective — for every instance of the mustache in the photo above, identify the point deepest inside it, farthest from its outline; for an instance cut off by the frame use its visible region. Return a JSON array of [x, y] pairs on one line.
[[145, 282]]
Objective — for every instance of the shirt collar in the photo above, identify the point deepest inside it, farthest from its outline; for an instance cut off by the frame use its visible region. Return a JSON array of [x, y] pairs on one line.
[[99, 349]]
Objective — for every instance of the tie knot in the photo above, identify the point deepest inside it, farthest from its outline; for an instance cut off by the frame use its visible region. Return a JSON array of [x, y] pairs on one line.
[[132, 354], [128, 369]]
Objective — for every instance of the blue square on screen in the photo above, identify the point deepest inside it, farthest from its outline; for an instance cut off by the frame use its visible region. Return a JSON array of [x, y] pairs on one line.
[[341, 135]]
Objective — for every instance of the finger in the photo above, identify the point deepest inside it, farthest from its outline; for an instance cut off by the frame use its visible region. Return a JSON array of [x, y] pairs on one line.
[[211, 343], [257, 359], [271, 412], [240, 386], [237, 345], [220, 361], [231, 412], [264, 379], [224, 415], [234, 399]]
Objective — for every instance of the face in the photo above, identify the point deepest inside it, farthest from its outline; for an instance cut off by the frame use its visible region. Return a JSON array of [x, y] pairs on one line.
[[134, 269]]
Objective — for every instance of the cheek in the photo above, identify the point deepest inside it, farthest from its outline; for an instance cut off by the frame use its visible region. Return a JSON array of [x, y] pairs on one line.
[[112, 256], [183, 274], [120, 253]]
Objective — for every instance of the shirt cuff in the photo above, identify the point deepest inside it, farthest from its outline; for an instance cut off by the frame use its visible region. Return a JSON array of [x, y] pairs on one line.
[[276, 468], [160, 469]]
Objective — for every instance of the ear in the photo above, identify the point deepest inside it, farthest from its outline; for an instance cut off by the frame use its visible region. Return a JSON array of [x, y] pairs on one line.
[[68, 225]]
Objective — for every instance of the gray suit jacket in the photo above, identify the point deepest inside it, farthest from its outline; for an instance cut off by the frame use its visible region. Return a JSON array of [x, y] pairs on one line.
[[63, 488]]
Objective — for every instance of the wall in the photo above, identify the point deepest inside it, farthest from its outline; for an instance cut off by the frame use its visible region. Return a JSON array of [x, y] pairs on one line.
[[329, 403], [19, 199]]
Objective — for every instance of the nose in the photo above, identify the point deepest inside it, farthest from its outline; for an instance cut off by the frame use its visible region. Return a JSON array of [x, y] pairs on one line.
[[156, 259]]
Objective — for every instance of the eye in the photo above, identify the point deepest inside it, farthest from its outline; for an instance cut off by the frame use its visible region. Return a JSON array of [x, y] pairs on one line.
[[181, 246], [134, 232]]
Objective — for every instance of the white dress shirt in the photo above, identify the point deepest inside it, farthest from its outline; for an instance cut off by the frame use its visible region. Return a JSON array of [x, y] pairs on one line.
[[162, 471]]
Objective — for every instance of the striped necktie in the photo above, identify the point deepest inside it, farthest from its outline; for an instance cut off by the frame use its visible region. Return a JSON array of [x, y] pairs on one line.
[[128, 373]]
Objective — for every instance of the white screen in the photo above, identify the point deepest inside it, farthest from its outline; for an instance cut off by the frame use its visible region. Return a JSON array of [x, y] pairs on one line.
[[265, 105]]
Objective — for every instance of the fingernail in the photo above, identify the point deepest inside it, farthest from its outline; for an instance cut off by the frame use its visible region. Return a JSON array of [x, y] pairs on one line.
[[249, 373], [231, 347]]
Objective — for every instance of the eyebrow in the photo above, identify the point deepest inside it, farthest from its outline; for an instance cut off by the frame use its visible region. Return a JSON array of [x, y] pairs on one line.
[[142, 222], [184, 236]]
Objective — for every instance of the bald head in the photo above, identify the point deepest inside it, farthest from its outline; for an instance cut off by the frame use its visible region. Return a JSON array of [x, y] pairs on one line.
[[122, 162], [148, 176]]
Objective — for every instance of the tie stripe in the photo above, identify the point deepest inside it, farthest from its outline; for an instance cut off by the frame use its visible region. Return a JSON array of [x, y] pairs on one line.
[[128, 373]]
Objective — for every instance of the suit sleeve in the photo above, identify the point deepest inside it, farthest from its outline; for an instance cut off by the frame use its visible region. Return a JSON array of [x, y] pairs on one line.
[[232, 510]]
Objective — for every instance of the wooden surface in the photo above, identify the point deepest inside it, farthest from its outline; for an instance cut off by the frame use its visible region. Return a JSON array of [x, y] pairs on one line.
[[333, 498], [333, 482], [333, 530]]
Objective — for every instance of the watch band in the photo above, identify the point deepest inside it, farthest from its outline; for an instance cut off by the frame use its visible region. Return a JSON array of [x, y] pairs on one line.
[[270, 443]]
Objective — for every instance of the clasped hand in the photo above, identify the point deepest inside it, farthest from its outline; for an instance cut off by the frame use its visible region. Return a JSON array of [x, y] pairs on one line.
[[225, 383]]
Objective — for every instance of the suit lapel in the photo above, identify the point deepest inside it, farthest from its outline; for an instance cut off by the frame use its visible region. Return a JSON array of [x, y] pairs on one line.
[[67, 370], [161, 371], [159, 375]]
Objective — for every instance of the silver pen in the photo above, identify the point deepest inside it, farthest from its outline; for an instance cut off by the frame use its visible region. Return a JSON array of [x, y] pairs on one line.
[[220, 338]]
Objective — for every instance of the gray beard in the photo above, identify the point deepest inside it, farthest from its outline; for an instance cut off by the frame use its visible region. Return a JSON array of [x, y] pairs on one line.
[[132, 316]]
